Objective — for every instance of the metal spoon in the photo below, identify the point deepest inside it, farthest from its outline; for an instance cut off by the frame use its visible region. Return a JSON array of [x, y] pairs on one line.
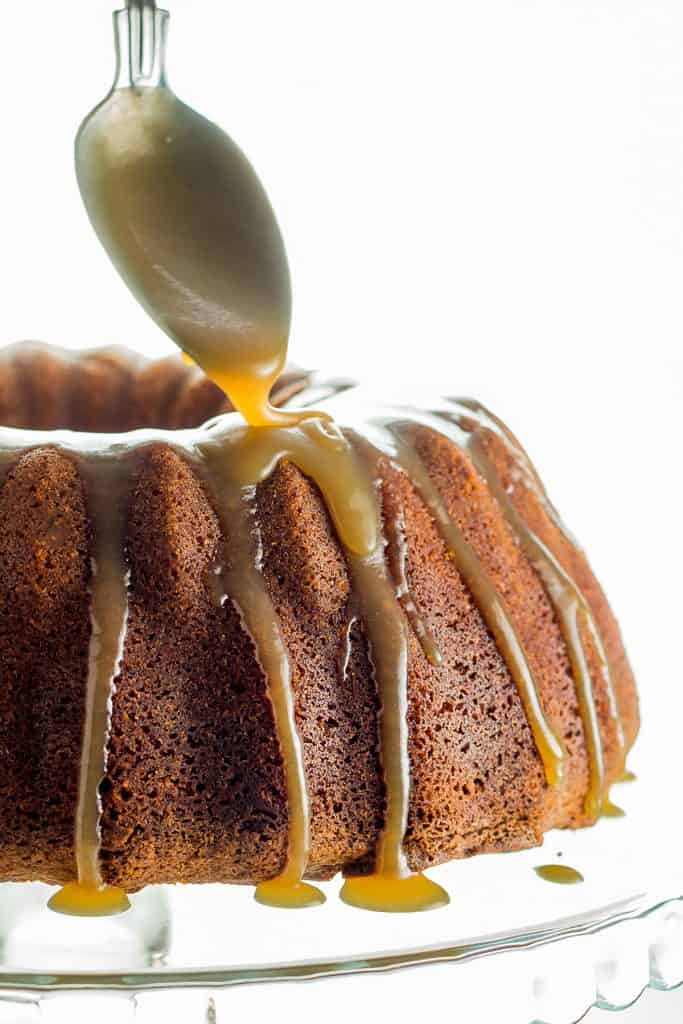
[[186, 221]]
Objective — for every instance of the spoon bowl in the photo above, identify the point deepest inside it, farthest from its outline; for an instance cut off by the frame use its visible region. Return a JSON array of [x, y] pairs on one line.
[[186, 221]]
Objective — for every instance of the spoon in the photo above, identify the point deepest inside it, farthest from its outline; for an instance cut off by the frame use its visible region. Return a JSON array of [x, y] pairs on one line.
[[186, 222]]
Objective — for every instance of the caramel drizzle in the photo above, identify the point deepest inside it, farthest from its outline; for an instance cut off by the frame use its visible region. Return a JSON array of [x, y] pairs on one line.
[[391, 886], [488, 421], [487, 598], [242, 582], [571, 607], [236, 464], [572, 610], [385, 626], [324, 454], [388, 641], [572, 613], [107, 481], [523, 464], [559, 874]]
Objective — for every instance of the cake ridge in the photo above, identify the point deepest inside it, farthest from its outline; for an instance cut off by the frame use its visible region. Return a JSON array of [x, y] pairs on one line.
[[79, 388], [241, 582], [108, 483], [442, 422], [488, 599], [561, 586], [572, 609], [488, 421]]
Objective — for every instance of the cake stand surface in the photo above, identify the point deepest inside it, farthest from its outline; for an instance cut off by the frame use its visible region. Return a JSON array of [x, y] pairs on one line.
[[509, 947]]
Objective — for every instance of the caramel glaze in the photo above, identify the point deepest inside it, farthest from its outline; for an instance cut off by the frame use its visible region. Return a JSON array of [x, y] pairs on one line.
[[611, 810], [489, 601], [108, 480], [342, 469], [524, 472], [345, 647], [391, 886], [345, 465], [571, 608], [572, 612], [238, 578], [560, 874], [232, 467]]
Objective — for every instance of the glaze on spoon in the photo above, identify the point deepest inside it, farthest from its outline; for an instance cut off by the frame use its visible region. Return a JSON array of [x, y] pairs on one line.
[[187, 223]]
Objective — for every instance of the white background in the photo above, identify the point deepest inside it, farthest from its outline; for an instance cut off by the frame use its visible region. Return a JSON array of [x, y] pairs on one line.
[[487, 197]]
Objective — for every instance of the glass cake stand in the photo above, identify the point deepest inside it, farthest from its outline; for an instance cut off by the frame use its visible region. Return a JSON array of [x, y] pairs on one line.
[[513, 947]]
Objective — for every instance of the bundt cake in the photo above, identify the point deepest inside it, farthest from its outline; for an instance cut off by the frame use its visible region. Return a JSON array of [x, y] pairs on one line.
[[215, 669]]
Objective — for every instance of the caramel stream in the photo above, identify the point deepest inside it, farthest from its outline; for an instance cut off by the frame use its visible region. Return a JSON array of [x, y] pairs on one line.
[[242, 582], [560, 874], [234, 467], [107, 480], [488, 600], [188, 225], [572, 610]]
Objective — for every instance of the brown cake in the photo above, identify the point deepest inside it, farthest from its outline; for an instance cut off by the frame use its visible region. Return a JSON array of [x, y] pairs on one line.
[[195, 787]]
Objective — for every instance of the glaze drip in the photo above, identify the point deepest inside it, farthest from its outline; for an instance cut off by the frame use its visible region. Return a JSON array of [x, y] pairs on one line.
[[572, 612], [234, 465], [238, 577], [345, 648], [488, 600], [531, 479], [391, 886], [108, 482], [321, 451], [571, 608], [560, 874], [611, 810], [344, 471]]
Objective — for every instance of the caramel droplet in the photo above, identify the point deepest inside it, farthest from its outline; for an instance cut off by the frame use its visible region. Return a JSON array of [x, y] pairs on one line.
[[291, 894], [393, 895], [79, 900], [560, 874]]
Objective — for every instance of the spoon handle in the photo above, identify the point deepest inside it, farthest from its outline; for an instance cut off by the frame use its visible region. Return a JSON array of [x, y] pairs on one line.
[[141, 31]]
